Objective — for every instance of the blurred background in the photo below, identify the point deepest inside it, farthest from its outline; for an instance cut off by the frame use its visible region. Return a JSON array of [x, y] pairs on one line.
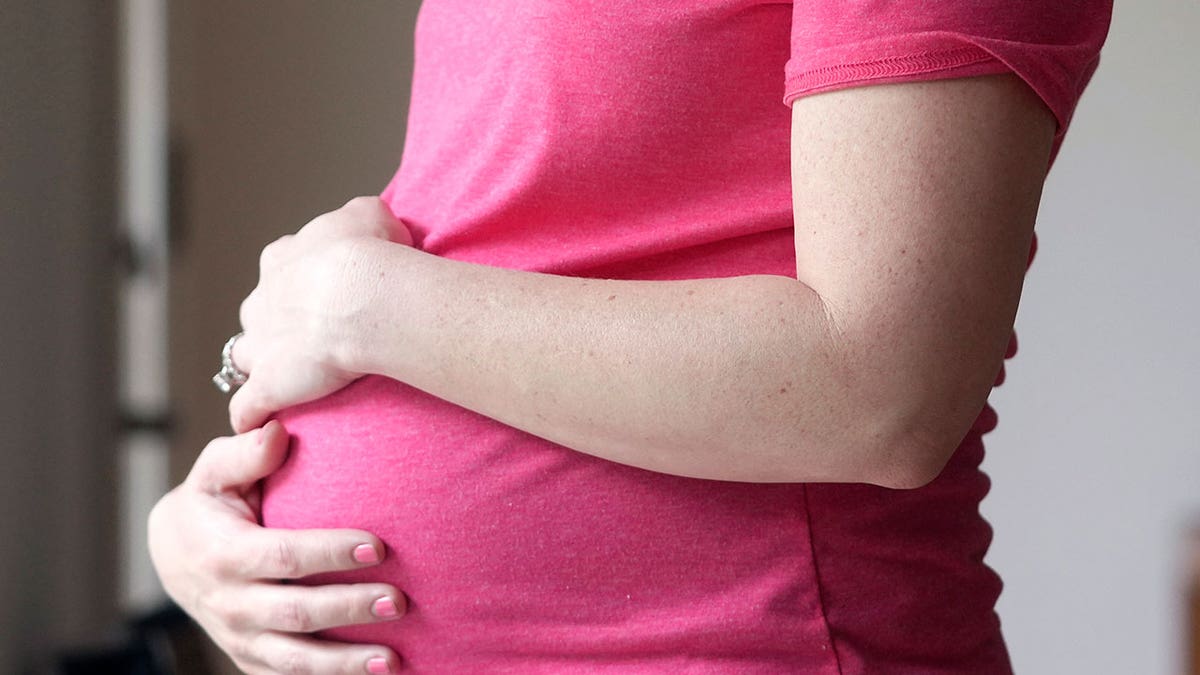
[[149, 149]]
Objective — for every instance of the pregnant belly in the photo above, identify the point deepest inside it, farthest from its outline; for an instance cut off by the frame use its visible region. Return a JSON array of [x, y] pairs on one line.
[[519, 555]]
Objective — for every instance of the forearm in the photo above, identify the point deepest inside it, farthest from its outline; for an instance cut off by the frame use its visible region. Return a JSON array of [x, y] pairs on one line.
[[914, 207], [741, 378]]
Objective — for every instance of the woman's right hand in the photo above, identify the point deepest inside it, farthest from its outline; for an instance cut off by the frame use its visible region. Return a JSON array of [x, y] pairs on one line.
[[227, 571]]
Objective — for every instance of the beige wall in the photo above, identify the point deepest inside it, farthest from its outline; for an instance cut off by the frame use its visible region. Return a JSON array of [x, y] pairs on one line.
[[281, 111], [57, 411]]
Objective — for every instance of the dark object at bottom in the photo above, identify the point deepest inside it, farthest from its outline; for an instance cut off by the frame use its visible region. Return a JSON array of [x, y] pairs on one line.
[[163, 642]]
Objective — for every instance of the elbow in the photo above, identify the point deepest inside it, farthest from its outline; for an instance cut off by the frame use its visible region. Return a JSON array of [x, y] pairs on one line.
[[892, 458], [913, 454], [915, 468], [920, 420]]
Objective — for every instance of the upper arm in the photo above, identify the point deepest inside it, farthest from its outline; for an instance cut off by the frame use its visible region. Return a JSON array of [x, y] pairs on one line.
[[914, 209]]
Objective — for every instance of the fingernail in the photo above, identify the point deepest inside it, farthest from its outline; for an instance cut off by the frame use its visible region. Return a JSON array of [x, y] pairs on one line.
[[378, 665], [366, 554], [384, 608]]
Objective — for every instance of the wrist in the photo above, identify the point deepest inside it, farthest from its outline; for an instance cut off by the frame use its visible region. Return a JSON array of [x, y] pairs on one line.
[[354, 307], [375, 293]]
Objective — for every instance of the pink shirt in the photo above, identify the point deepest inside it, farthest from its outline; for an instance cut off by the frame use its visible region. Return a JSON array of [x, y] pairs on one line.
[[647, 140]]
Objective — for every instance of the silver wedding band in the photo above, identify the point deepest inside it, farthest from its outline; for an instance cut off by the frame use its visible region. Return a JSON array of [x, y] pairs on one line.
[[230, 376]]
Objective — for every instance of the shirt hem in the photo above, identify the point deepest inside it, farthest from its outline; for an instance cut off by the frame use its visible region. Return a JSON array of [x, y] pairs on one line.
[[970, 60]]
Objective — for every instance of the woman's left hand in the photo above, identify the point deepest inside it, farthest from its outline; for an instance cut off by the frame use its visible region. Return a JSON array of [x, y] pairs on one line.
[[300, 324]]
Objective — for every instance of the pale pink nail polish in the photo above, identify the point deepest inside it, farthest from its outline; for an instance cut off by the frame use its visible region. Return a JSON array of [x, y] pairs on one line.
[[366, 554], [378, 666], [384, 608]]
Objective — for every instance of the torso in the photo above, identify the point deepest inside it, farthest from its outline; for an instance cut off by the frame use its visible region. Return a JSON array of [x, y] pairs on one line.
[[626, 140]]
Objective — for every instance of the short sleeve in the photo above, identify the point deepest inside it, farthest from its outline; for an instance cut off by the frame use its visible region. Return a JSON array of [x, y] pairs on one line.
[[1053, 45]]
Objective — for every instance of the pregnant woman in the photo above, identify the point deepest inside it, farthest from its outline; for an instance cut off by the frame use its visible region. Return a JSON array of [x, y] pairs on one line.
[[632, 368]]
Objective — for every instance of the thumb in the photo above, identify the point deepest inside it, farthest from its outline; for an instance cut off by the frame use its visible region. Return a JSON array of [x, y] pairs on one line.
[[237, 462]]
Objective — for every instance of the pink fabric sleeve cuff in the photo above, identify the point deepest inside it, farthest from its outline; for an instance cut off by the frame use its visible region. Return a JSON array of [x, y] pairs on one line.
[[1054, 72]]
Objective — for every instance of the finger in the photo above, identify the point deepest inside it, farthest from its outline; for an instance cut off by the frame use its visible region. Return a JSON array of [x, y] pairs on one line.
[[254, 401], [304, 609], [373, 213], [249, 310], [360, 217], [282, 653], [240, 461], [401, 233], [274, 252], [245, 349], [267, 553]]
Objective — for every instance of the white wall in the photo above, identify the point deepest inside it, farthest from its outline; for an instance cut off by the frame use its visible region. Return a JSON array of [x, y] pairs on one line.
[[1096, 463]]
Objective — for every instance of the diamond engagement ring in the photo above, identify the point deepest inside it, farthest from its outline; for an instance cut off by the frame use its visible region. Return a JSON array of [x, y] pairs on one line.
[[229, 377]]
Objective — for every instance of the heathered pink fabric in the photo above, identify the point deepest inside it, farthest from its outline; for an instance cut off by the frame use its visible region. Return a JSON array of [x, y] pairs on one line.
[[647, 140]]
